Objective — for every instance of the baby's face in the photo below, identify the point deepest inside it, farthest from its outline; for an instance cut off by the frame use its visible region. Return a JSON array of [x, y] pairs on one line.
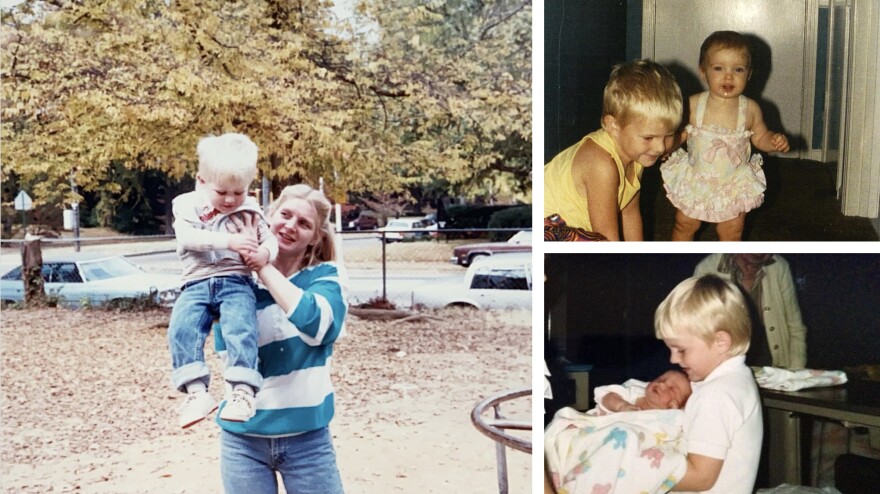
[[726, 72], [670, 390]]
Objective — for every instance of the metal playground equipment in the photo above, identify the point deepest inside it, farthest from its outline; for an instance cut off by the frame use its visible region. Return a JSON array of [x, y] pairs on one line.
[[495, 429]]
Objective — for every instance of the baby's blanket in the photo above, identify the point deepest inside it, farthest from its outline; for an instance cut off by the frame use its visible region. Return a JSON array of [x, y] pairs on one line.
[[626, 452]]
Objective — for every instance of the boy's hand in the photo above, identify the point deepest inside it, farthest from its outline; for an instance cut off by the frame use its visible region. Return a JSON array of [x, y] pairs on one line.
[[779, 142]]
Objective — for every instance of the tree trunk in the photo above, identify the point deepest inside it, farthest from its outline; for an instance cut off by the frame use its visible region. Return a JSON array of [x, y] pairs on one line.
[[31, 271]]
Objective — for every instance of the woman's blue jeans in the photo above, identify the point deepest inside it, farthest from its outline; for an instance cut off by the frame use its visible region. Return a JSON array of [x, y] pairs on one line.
[[232, 299], [306, 462]]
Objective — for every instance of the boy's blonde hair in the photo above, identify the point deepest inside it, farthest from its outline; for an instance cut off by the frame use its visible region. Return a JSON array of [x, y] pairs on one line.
[[642, 89], [227, 159], [725, 40], [700, 307], [324, 248]]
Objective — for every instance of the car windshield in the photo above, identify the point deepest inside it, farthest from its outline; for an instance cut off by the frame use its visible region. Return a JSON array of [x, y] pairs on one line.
[[522, 237], [500, 279], [398, 225], [108, 268], [15, 274]]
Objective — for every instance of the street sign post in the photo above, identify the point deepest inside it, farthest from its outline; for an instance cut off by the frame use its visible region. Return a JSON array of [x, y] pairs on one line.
[[23, 203]]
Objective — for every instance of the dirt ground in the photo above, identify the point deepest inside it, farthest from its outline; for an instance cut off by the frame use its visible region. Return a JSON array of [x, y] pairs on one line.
[[86, 406]]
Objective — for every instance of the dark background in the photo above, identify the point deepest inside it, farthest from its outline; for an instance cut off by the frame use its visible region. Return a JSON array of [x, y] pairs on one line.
[[611, 299], [583, 40]]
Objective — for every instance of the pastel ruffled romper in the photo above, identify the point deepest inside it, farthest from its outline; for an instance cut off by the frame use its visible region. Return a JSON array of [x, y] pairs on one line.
[[717, 178]]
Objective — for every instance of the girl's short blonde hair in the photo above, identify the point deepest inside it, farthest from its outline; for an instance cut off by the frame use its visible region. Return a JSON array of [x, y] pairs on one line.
[[324, 249], [700, 307], [642, 89]]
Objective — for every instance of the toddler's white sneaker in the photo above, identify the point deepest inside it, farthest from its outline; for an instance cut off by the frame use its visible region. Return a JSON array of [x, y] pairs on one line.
[[239, 407], [196, 408]]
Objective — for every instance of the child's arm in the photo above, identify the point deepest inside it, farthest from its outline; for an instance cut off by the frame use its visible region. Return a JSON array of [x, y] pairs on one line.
[[631, 220], [674, 142], [195, 239], [763, 138], [596, 175], [681, 137], [615, 403], [702, 473], [268, 242]]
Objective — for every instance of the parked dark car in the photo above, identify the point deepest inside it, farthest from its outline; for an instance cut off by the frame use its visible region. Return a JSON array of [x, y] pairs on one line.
[[366, 220], [464, 255]]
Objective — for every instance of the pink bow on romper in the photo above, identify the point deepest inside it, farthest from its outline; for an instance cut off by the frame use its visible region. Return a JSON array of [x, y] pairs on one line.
[[718, 144]]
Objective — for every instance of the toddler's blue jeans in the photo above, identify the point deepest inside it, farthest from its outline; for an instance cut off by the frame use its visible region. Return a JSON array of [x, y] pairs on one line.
[[232, 299]]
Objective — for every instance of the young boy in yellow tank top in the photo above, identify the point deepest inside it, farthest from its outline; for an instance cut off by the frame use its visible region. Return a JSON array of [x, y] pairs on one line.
[[594, 185]]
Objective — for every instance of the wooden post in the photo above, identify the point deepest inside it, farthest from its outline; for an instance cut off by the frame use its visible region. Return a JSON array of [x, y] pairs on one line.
[[31, 271]]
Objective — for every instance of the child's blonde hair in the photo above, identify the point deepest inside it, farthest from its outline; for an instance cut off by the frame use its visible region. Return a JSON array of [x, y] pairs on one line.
[[324, 248], [228, 158], [700, 307], [642, 89], [725, 40]]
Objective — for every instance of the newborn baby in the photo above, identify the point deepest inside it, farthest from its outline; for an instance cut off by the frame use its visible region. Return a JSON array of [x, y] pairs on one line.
[[670, 390]]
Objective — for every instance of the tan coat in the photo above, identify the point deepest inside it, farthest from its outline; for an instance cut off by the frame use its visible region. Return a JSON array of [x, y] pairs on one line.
[[786, 333]]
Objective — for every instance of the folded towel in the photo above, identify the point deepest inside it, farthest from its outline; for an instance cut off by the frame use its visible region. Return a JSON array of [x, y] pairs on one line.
[[787, 380]]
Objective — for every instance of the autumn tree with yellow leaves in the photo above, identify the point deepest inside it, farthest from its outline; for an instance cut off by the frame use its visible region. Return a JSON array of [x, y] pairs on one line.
[[402, 95]]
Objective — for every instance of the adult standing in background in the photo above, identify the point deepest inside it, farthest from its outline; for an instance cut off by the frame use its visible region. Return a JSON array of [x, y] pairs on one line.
[[779, 337]]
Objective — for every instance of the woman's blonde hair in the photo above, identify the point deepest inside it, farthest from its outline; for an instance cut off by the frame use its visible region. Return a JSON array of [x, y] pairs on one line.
[[700, 307], [642, 89], [324, 249]]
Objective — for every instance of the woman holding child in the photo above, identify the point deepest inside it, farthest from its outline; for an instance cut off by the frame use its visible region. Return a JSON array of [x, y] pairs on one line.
[[300, 314]]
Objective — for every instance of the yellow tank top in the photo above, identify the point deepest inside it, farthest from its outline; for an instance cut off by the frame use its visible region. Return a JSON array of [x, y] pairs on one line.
[[560, 195]]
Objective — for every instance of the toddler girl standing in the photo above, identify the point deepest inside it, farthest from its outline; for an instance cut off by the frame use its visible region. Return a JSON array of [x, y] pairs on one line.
[[718, 180]]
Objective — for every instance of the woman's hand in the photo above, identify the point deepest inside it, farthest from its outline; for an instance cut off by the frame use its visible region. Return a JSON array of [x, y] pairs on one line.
[[257, 259]]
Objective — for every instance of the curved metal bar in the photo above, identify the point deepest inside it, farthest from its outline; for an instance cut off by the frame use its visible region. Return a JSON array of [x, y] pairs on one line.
[[494, 429]]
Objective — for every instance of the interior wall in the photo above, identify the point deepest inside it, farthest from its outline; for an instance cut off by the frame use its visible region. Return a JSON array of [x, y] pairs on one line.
[[860, 193], [583, 40], [778, 53]]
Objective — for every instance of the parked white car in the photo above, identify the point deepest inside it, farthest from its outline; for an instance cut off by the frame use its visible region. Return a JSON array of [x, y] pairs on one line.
[[502, 281], [79, 279], [398, 229]]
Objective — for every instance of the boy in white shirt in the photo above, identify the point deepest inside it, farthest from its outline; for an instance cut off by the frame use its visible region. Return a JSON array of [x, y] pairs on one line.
[[705, 324], [217, 282]]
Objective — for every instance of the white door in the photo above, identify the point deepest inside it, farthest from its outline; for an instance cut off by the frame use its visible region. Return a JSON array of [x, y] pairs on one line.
[[673, 31]]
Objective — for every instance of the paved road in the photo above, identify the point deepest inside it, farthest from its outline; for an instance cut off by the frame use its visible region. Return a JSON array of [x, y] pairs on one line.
[[160, 256], [364, 284]]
